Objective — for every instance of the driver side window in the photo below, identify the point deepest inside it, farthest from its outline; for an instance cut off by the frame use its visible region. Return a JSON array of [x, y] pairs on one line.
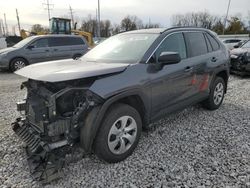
[[40, 43], [173, 43]]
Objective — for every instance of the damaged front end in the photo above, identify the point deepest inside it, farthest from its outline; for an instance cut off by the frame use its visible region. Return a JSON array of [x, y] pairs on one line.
[[240, 63], [52, 116]]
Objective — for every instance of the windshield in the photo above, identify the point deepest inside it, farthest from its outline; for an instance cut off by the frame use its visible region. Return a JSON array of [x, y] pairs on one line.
[[246, 45], [127, 48], [23, 42]]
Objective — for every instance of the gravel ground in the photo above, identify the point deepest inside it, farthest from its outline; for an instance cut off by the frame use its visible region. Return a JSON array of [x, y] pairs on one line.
[[192, 148]]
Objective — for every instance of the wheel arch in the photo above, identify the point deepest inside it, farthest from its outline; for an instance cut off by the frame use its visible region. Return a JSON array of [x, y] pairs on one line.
[[225, 76], [95, 116], [76, 55]]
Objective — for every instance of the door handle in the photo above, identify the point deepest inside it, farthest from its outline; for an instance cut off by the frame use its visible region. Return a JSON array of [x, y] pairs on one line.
[[46, 50], [188, 69], [55, 49], [214, 59]]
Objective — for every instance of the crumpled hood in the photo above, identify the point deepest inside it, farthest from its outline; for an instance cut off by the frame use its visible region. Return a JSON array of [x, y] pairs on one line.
[[6, 50], [238, 51], [56, 71]]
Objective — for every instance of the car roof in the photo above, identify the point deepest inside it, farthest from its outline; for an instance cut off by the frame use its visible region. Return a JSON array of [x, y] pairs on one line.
[[162, 30], [55, 35]]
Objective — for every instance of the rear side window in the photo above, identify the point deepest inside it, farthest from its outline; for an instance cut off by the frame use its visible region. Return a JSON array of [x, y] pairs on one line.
[[209, 46], [197, 43], [76, 41], [173, 43], [66, 41], [214, 43]]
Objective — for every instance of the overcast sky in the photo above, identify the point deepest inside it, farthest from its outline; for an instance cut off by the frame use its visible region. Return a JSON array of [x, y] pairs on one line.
[[158, 11]]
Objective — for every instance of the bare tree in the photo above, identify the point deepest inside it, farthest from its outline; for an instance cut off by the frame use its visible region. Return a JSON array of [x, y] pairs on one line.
[[105, 28], [89, 24], [199, 19], [131, 23], [37, 28], [236, 26]]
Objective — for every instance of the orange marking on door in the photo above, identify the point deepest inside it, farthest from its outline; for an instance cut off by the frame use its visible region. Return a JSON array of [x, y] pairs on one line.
[[204, 83], [194, 80]]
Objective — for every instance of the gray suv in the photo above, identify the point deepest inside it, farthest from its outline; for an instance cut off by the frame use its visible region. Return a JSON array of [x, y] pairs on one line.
[[106, 97], [42, 48]]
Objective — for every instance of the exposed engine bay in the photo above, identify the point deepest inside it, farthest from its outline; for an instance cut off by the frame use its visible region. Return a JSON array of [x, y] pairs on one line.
[[52, 116]]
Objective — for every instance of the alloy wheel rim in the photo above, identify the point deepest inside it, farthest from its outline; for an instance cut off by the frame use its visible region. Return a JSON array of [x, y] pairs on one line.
[[19, 64], [218, 93], [122, 135]]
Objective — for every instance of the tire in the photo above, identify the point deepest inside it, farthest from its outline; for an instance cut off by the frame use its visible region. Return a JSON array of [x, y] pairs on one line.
[[111, 143], [76, 56], [17, 64], [216, 95]]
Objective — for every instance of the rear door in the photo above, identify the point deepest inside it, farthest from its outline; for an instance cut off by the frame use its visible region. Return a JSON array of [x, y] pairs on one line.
[[78, 46], [38, 51], [199, 56], [67, 47], [60, 48]]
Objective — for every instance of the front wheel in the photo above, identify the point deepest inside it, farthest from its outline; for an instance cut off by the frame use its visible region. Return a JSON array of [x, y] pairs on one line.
[[119, 133], [17, 64], [216, 95]]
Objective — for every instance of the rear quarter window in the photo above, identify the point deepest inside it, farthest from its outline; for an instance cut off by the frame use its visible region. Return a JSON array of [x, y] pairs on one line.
[[196, 43], [213, 42]]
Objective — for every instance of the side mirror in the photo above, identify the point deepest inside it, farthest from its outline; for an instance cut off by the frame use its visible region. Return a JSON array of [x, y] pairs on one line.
[[30, 47], [168, 58]]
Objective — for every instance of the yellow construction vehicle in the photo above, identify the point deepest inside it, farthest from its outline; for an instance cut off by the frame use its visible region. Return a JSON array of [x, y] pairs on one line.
[[60, 26], [63, 26]]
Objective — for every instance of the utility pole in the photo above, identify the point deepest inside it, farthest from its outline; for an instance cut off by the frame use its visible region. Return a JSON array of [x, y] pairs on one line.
[[4, 34], [1, 32], [99, 22], [96, 23], [72, 17], [18, 22], [6, 27], [48, 7], [225, 21]]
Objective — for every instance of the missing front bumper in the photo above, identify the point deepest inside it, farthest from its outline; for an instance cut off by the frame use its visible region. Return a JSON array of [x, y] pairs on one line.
[[44, 164]]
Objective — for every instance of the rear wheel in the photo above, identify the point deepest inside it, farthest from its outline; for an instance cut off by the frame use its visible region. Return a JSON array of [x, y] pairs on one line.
[[119, 133], [216, 95], [17, 64]]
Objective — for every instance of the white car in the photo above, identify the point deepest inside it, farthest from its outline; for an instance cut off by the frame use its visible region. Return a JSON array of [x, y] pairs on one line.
[[230, 43]]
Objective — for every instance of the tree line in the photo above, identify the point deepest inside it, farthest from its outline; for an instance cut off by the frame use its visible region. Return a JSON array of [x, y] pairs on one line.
[[234, 24]]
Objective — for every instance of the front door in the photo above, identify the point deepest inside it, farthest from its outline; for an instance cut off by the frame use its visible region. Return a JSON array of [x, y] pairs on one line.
[[38, 51], [172, 84]]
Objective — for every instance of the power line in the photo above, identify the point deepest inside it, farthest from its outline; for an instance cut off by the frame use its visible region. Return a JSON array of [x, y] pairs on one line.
[[48, 7]]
